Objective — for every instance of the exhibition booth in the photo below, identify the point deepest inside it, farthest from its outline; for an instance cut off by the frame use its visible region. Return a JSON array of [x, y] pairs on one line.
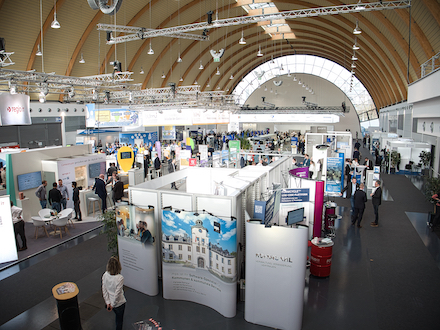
[[409, 152]]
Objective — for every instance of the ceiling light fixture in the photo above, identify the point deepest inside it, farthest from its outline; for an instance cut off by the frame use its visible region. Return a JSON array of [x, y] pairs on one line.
[[354, 58], [163, 75], [195, 82], [201, 66], [142, 71], [356, 29], [231, 77], [359, 6], [150, 51], [353, 65], [294, 78], [179, 59], [355, 47], [242, 40], [55, 24], [259, 54], [82, 60], [39, 53], [181, 79]]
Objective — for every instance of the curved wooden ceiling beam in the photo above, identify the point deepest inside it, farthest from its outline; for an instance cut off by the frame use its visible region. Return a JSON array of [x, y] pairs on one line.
[[1, 3], [46, 25], [418, 33], [434, 7]]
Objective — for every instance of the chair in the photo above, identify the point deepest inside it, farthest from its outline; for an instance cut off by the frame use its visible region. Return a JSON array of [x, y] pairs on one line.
[[39, 224], [93, 200], [43, 213], [61, 223], [68, 214]]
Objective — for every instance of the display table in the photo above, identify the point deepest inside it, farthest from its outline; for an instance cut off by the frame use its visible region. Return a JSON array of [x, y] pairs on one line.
[[84, 201], [25, 205], [66, 295]]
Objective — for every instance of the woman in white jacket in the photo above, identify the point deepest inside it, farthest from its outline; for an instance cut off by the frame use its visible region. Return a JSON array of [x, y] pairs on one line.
[[112, 290]]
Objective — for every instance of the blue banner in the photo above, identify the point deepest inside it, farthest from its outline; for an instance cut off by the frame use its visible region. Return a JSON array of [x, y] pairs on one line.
[[148, 139], [110, 117], [295, 195], [334, 175]]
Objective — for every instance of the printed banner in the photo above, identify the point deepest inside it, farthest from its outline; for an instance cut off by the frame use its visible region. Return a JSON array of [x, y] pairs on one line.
[[295, 195], [148, 139], [14, 109], [334, 175], [302, 172], [110, 117], [168, 132], [203, 149], [200, 260], [275, 269], [234, 149], [137, 248]]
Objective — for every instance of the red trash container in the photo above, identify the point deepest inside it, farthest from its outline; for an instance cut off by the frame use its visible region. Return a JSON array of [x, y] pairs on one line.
[[321, 258]]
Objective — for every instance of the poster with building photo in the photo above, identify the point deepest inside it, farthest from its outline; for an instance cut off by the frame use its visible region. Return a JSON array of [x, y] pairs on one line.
[[335, 174], [137, 243], [199, 260]]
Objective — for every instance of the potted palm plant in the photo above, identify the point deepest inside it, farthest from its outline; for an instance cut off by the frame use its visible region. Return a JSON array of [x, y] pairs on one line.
[[108, 219], [425, 159]]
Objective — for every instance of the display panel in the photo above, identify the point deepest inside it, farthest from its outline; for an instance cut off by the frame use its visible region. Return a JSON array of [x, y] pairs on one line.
[[29, 180], [295, 216], [96, 169], [126, 155]]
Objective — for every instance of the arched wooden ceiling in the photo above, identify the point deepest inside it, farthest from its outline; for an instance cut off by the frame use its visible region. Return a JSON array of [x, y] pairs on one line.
[[383, 66]]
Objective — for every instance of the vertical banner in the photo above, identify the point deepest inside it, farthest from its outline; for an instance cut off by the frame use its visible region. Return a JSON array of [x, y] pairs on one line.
[[158, 150], [7, 234], [234, 149], [334, 174], [319, 204], [294, 144], [137, 247], [203, 149], [275, 270], [200, 260]]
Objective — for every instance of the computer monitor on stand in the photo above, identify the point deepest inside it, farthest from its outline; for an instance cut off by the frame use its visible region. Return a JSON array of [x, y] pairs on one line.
[[295, 216]]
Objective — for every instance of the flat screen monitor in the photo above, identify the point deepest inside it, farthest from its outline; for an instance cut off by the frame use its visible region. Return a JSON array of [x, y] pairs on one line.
[[295, 216], [126, 155], [96, 169], [29, 180]]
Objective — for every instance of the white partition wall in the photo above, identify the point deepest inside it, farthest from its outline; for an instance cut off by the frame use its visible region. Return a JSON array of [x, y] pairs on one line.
[[275, 275]]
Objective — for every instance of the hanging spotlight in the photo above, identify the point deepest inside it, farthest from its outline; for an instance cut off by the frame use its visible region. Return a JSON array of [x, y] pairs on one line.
[[39, 53], [179, 59], [294, 78], [304, 85], [355, 47], [352, 72], [195, 82], [218, 87], [353, 65], [181, 79], [163, 75], [360, 6], [265, 88], [13, 89], [218, 72], [271, 90], [259, 54], [356, 29], [82, 60], [242, 40], [354, 58], [307, 88], [55, 24], [299, 82], [231, 77], [288, 74], [94, 95], [142, 71], [150, 51], [71, 93], [208, 85], [201, 66]]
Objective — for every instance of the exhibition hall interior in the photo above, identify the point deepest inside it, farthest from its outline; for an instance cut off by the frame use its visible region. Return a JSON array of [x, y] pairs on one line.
[[234, 164]]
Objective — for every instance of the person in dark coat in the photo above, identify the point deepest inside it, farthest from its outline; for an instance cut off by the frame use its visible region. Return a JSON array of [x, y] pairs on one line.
[[350, 189], [55, 198], [360, 198], [76, 201], [157, 163], [377, 200], [171, 169], [101, 191], [118, 190]]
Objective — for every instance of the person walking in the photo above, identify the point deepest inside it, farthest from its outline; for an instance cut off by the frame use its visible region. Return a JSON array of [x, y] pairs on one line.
[[17, 219], [113, 291], [351, 189], [157, 165], [360, 198], [118, 190], [76, 201], [171, 169], [64, 193], [41, 194], [101, 191], [376, 200]]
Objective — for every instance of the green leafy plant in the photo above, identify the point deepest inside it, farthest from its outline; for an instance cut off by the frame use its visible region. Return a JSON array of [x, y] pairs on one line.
[[425, 158], [108, 219], [432, 186], [245, 144], [395, 158]]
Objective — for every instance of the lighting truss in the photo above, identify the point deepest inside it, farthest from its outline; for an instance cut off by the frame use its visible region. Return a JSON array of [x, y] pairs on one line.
[[140, 33], [336, 110], [5, 60]]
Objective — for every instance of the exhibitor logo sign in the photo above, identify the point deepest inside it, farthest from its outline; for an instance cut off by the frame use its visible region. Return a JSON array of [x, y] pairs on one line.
[[17, 109], [14, 109]]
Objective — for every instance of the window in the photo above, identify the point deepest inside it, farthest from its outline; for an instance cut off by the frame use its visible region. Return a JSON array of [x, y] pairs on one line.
[[216, 256], [203, 250], [180, 257], [171, 256], [189, 248], [189, 257], [180, 247], [203, 241], [223, 260], [198, 248], [229, 271], [170, 246], [216, 266], [223, 269], [229, 262]]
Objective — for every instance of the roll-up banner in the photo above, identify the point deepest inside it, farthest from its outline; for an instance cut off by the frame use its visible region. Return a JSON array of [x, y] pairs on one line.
[[334, 174], [137, 243], [7, 235], [199, 260], [275, 270], [14, 109]]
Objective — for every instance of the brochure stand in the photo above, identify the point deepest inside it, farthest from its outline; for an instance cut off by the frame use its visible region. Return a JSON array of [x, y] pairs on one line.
[[66, 294]]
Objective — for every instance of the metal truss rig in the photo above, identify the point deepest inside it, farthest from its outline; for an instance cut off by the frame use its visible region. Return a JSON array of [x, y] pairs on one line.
[[335, 110], [5, 59], [141, 33]]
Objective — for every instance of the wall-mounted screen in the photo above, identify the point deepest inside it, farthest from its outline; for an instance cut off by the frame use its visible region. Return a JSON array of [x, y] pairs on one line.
[[29, 180], [126, 155], [96, 169], [295, 216]]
